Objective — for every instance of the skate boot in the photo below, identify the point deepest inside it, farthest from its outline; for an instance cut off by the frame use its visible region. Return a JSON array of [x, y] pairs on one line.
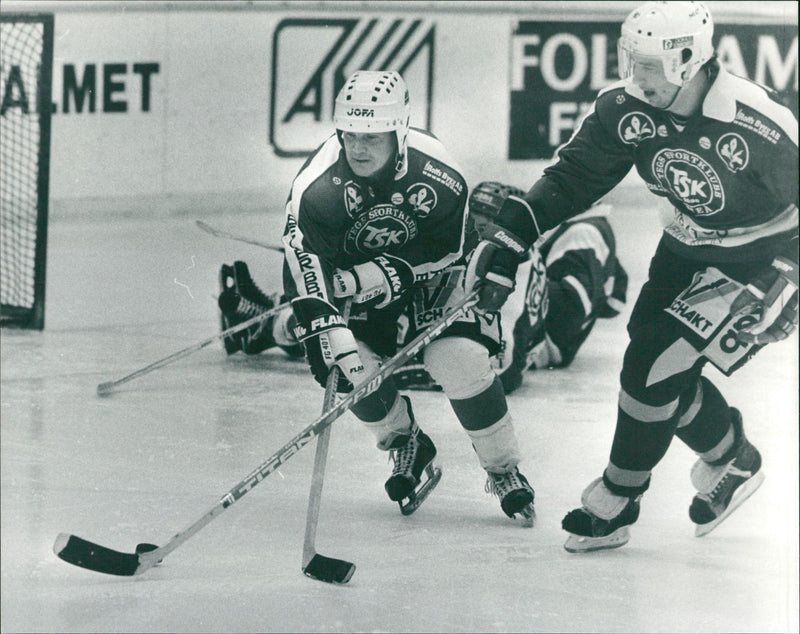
[[240, 299], [724, 484], [412, 456], [414, 376], [516, 495], [602, 522]]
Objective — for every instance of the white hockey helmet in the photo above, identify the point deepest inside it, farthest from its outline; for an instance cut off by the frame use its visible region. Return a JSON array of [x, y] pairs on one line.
[[679, 33], [375, 101]]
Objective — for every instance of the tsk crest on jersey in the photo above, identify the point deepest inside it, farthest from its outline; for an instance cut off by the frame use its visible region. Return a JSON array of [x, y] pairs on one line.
[[691, 179], [733, 151], [635, 127], [381, 228], [422, 198]]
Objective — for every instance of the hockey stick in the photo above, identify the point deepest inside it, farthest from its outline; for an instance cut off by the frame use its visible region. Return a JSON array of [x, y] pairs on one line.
[[314, 565], [224, 234], [86, 554], [105, 388]]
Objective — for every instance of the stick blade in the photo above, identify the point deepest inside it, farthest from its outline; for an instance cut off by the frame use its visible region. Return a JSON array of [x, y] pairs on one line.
[[328, 569], [103, 389], [85, 554]]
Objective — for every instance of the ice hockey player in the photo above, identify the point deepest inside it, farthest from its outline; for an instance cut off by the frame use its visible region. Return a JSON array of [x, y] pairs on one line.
[[568, 280], [376, 208], [571, 278], [722, 282]]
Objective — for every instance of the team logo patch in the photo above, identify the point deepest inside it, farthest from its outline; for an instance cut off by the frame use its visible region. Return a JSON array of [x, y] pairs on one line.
[[353, 200], [690, 179], [733, 151], [422, 198], [636, 127], [381, 228]]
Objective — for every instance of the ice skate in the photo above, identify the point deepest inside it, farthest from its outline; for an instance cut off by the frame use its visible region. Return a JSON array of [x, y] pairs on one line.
[[414, 376], [602, 522], [722, 488], [240, 299], [516, 495], [414, 475]]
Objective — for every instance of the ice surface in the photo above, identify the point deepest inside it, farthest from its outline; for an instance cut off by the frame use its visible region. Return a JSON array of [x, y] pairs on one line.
[[149, 460]]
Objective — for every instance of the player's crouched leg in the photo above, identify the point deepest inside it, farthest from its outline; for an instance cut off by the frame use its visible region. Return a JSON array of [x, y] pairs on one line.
[[462, 367]]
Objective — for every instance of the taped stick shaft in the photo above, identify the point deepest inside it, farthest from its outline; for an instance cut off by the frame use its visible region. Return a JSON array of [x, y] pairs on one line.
[[108, 386], [232, 236]]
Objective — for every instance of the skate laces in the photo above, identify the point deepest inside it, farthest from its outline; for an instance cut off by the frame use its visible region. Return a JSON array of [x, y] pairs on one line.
[[501, 484], [722, 488], [248, 308], [403, 457]]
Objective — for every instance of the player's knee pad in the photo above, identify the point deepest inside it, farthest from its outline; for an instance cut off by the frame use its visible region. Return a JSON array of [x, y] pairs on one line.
[[397, 422], [377, 405], [497, 446], [460, 365]]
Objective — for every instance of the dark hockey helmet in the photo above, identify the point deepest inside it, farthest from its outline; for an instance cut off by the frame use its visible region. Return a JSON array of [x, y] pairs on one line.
[[487, 197]]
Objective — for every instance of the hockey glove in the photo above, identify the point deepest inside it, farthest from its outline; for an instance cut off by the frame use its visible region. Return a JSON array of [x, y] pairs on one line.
[[374, 284], [328, 342], [493, 265], [771, 297]]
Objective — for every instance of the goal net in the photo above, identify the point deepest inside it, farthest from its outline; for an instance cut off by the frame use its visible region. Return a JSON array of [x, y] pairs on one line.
[[27, 63]]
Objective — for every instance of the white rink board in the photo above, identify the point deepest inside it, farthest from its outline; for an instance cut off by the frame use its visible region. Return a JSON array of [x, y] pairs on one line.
[[185, 107]]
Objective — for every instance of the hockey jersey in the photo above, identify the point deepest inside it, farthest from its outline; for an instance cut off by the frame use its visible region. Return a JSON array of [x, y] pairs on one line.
[[335, 219], [730, 171]]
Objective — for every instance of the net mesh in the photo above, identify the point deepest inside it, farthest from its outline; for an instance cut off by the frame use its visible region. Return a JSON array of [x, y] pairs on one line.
[[20, 140]]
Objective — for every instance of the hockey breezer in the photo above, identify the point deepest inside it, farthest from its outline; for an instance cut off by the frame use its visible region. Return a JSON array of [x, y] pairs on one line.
[[86, 554]]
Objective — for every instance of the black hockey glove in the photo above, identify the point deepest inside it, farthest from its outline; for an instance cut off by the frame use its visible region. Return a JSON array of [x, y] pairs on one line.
[[772, 297], [374, 284], [494, 263], [328, 342]]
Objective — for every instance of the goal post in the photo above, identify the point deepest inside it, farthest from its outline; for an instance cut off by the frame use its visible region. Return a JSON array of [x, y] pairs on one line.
[[25, 111]]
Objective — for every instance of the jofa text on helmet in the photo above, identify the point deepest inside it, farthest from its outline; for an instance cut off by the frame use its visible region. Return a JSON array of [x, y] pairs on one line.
[[361, 112]]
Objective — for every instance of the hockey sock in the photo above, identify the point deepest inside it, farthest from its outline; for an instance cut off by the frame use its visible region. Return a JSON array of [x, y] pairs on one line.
[[709, 431]]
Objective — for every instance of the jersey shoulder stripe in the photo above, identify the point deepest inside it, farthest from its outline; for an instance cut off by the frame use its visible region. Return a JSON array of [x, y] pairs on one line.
[[317, 164], [730, 90], [429, 145]]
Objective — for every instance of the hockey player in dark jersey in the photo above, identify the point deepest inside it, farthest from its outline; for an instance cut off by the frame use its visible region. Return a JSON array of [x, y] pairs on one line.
[[570, 278], [375, 211], [722, 282]]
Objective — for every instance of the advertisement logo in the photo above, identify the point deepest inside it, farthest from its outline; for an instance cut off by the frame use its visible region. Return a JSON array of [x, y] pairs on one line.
[[312, 59]]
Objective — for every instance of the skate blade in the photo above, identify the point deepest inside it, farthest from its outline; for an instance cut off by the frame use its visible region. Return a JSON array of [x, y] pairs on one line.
[[526, 517], [583, 544], [742, 493], [417, 497]]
